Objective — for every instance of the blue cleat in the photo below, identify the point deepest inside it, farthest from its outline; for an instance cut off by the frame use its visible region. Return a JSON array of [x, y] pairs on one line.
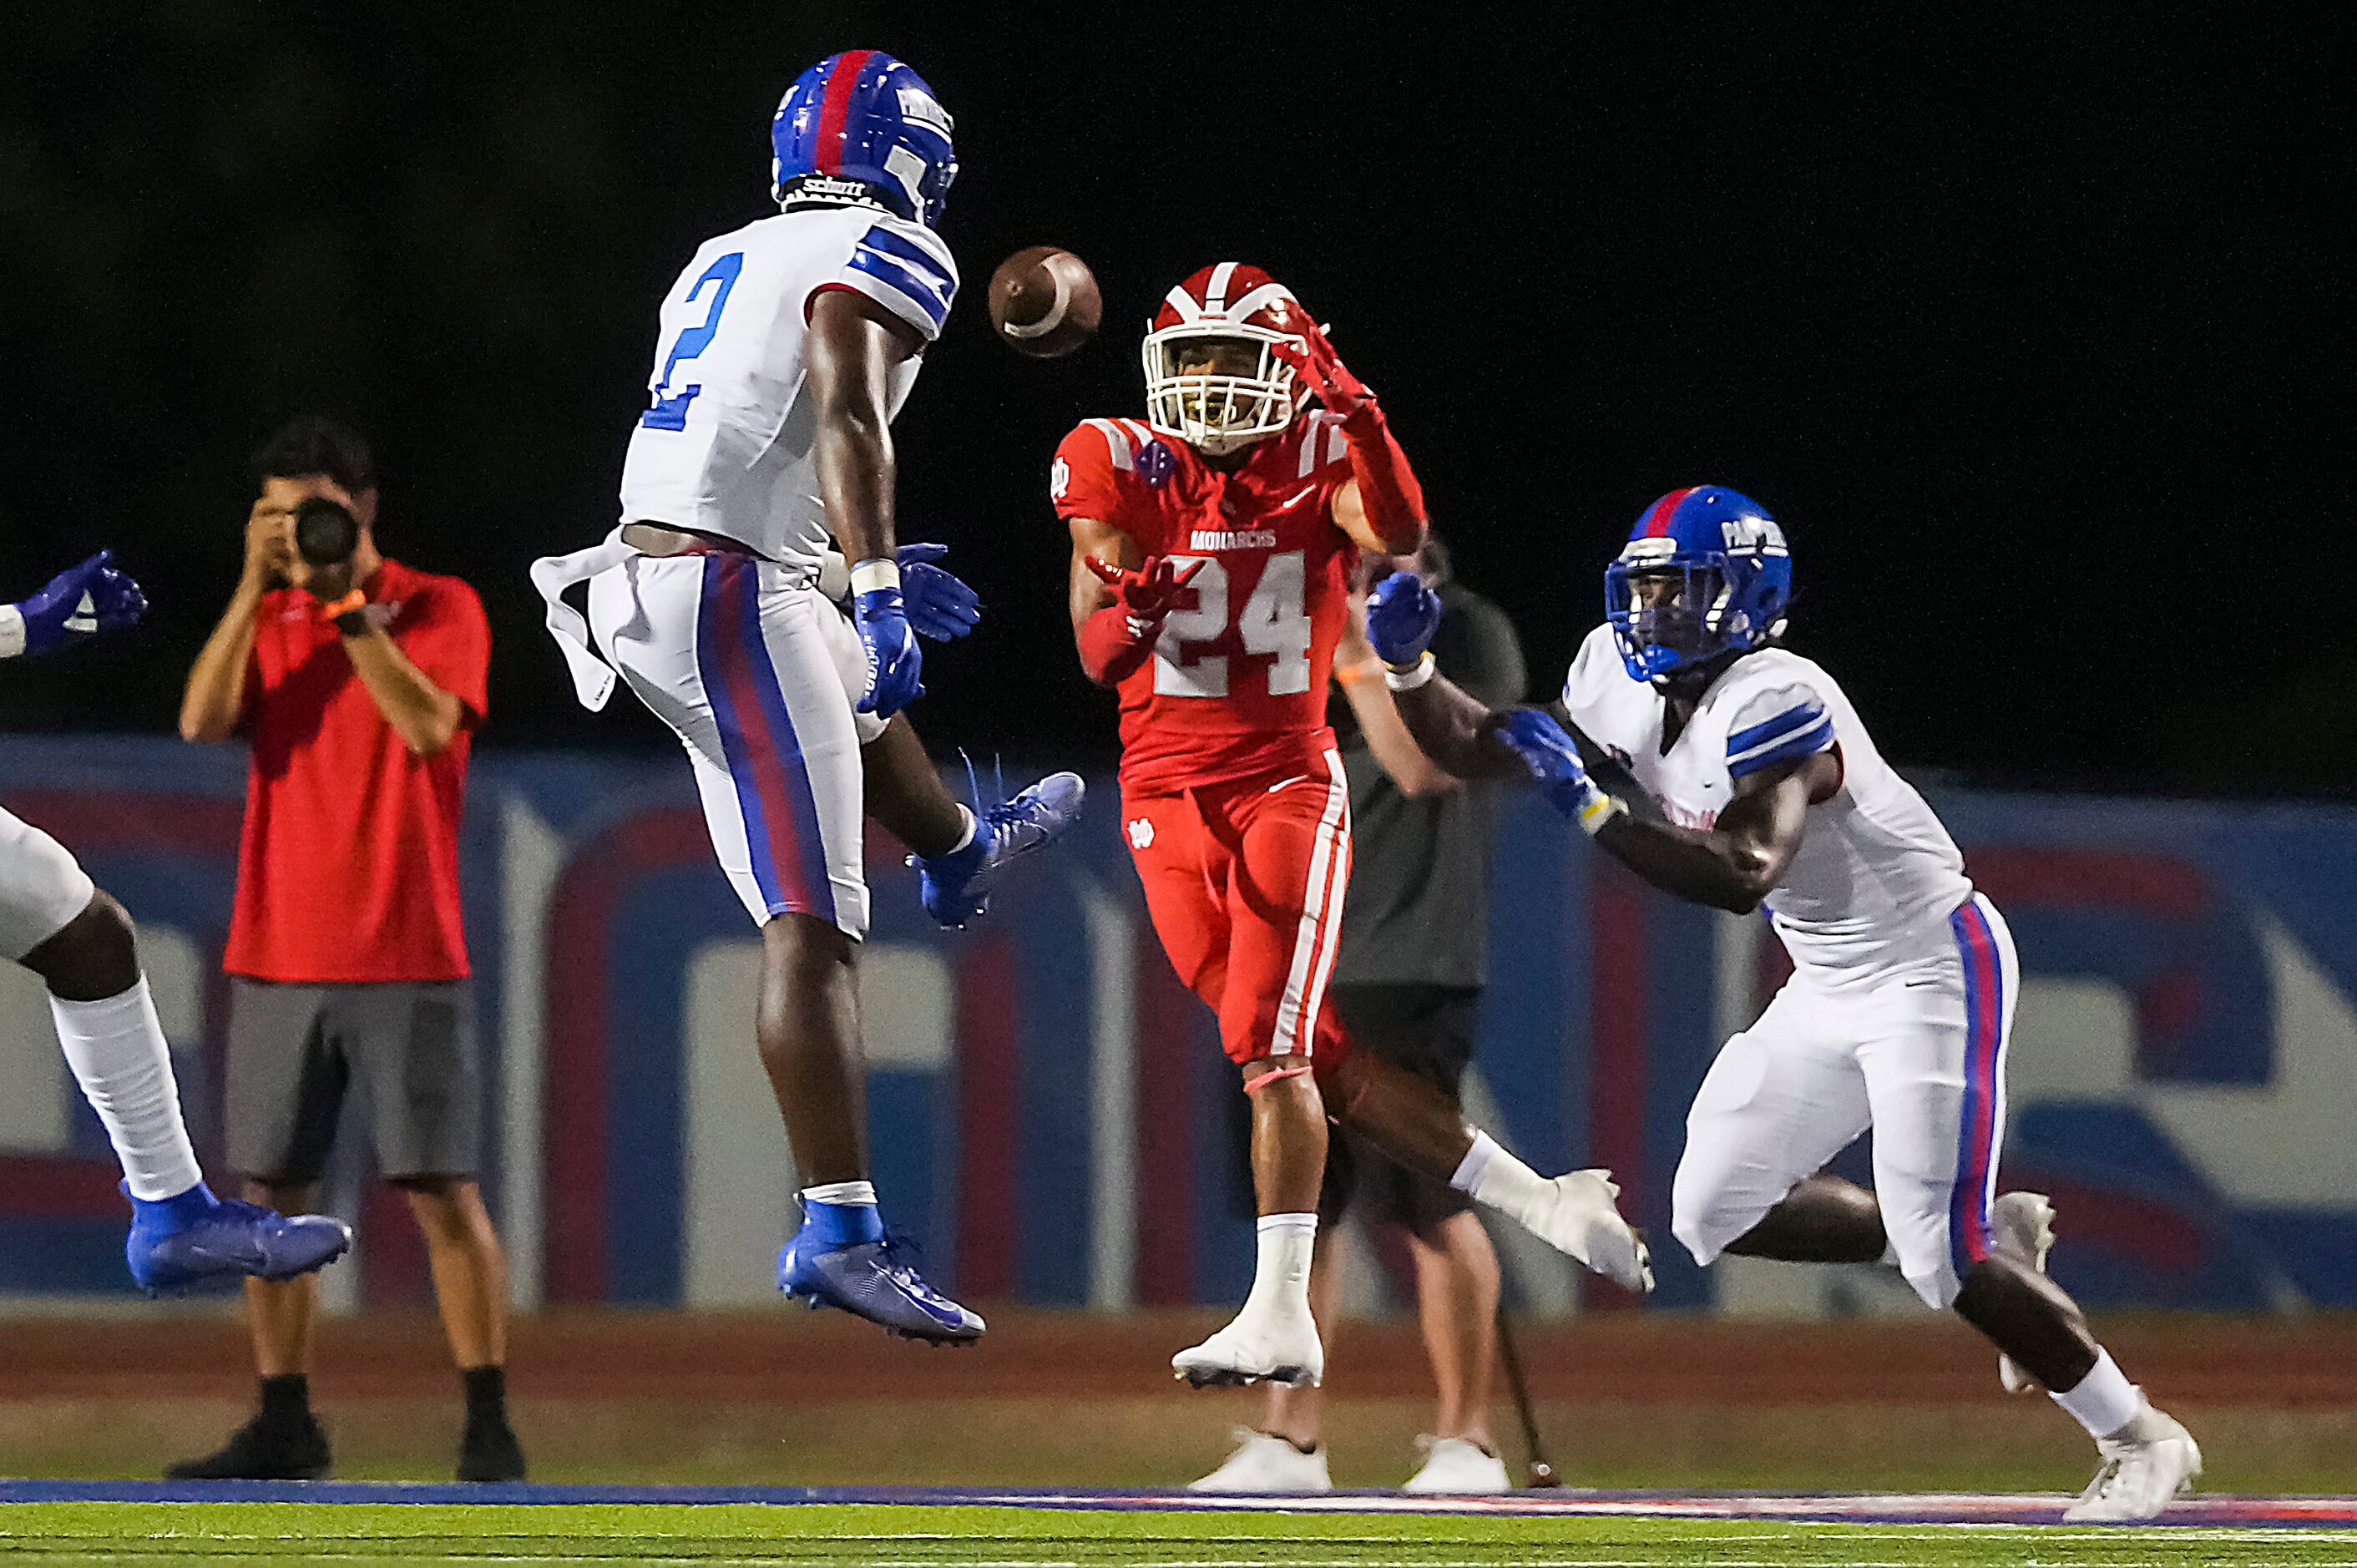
[[196, 1236], [872, 1280], [955, 888]]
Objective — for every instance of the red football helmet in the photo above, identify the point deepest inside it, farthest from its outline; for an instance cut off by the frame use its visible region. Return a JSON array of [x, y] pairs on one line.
[[1215, 376]]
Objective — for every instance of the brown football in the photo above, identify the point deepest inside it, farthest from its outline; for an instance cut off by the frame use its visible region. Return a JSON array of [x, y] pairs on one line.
[[1044, 302]]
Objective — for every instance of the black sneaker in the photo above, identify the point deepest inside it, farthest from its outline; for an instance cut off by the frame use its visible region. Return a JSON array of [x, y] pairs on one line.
[[489, 1452], [275, 1451]]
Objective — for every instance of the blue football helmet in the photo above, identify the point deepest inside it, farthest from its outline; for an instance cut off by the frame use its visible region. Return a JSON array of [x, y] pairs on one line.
[[862, 116], [1734, 579]]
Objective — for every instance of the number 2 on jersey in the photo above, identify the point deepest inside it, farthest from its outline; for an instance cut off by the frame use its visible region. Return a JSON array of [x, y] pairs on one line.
[[1274, 621], [669, 411]]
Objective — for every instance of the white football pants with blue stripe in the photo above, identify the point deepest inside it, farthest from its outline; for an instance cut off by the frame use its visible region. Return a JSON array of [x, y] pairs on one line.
[[1913, 1048], [758, 674]]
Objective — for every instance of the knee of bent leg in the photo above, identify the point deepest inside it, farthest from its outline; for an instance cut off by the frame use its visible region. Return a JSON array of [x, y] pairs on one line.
[[1709, 1207], [1926, 1261], [96, 954]]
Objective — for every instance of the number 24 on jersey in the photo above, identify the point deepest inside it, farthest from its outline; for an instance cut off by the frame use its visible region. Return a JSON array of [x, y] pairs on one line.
[[1272, 622]]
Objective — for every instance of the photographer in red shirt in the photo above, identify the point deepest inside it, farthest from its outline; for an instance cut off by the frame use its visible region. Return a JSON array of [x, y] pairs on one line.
[[359, 683]]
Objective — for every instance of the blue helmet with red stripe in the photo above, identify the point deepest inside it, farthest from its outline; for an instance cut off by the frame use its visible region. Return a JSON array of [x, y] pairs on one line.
[[863, 119], [1704, 572]]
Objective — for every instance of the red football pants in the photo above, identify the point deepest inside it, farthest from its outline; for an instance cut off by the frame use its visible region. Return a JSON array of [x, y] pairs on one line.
[[1244, 883]]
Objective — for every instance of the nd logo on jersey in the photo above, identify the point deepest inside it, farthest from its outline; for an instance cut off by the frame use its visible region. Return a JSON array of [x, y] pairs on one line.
[[1059, 480]]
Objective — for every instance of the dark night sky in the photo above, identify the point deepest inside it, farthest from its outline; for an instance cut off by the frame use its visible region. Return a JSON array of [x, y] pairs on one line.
[[2021, 320]]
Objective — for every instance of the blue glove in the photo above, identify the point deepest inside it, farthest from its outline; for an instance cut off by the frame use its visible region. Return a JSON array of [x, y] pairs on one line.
[[940, 605], [894, 661], [1554, 760], [80, 602], [1402, 615]]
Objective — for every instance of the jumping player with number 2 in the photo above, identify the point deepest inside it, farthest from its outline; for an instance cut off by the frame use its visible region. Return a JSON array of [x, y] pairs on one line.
[[1212, 544], [787, 347]]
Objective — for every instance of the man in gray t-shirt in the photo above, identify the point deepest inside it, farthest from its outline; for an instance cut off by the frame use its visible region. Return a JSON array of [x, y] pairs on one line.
[[1408, 984]]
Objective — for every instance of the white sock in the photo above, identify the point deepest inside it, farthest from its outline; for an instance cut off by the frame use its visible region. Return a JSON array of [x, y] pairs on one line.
[[841, 1192], [2103, 1400], [1281, 1277], [972, 824], [116, 1050], [1490, 1175]]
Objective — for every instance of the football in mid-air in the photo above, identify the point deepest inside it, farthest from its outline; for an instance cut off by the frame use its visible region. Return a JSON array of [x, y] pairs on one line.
[[1044, 302]]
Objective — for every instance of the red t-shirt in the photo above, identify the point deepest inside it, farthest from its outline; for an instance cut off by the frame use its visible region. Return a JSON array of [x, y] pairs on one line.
[[1236, 687], [348, 868]]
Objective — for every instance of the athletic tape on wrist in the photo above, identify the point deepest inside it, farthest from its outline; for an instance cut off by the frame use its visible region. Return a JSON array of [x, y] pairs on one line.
[[1597, 809], [870, 575], [1415, 675]]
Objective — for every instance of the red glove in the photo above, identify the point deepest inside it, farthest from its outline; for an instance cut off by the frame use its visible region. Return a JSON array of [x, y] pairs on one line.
[[1116, 639], [1323, 372], [1387, 486]]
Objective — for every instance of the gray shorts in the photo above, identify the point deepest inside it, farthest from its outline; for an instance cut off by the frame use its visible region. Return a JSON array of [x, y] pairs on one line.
[[295, 1050]]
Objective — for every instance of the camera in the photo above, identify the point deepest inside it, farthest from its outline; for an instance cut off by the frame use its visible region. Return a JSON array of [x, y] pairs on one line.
[[325, 532]]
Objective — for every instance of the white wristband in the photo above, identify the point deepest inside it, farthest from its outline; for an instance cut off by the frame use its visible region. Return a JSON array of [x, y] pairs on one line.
[[870, 575], [11, 632], [1415, 675]]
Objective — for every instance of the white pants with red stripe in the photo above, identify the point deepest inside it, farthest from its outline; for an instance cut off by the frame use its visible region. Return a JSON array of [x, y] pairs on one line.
[[756, 673], [1916, 1051]]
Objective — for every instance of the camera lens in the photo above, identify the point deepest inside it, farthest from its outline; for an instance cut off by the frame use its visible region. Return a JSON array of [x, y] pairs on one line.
[[325, 533]]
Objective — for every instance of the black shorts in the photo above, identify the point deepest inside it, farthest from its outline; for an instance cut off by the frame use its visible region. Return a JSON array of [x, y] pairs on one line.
[[1428, 1030]]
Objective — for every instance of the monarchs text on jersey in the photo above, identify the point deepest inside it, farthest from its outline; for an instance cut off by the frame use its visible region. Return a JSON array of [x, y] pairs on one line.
[[727, 442], [1236, 686]]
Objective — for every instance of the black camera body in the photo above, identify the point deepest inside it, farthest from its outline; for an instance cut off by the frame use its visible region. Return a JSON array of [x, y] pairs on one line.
[[326, 534]]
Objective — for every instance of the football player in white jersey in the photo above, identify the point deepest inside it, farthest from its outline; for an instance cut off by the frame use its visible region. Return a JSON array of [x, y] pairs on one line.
[[1728, 771], [786, 347], [58, 923]]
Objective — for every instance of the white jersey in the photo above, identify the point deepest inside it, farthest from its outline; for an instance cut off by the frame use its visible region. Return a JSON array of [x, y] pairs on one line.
[[726, 444], [1876, 876]]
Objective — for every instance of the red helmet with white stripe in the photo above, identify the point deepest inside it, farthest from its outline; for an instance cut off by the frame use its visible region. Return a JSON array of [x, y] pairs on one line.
[[1214, 375]]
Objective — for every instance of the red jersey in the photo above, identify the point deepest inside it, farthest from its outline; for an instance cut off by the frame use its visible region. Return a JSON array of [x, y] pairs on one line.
[[349, 867], [1236, 685]]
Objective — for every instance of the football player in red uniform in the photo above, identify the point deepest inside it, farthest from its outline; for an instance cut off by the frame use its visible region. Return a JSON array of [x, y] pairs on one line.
[[1212, 547]]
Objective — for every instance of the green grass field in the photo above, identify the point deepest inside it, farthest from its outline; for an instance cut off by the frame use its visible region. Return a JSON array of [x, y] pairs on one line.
[[922, 1537]]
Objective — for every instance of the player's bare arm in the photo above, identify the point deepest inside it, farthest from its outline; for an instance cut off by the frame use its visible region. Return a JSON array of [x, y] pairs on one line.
[[1455, 729], [1360, 675], [214, 699], [849, 351], [1734, 865]]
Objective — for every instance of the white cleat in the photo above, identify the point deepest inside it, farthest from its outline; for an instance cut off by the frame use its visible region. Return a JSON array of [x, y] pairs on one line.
[[1266, 1464], [1259, 1346], [1458, 1467], [1582, 1221], [2146, 1462], [2023, 1228]]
